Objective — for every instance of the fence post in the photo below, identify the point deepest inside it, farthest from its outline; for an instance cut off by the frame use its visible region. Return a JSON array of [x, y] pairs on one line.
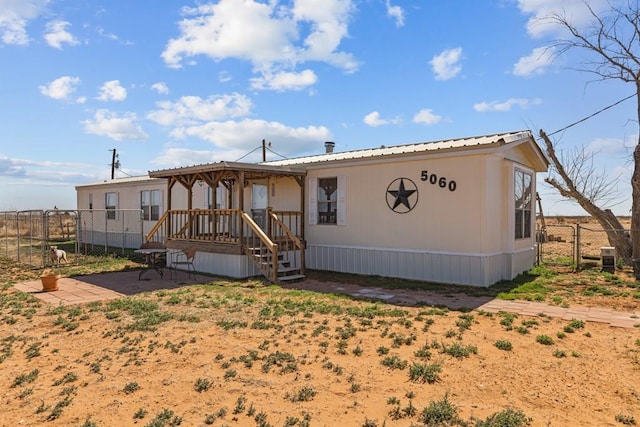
[[578, 248], [124, 238]]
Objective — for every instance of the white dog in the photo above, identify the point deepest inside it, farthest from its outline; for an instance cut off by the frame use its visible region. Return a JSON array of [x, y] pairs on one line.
[[58, 255]]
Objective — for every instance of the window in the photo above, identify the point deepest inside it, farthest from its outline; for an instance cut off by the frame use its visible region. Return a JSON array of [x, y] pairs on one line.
[[327, 200], [221, 195], [150, 205], [110, 204], [523, 203]]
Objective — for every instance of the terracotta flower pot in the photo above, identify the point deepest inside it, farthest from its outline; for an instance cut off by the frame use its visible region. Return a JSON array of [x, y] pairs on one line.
[[50, 282]]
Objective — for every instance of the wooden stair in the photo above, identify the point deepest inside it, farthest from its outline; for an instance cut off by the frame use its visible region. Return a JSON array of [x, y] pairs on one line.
[[286, 272]]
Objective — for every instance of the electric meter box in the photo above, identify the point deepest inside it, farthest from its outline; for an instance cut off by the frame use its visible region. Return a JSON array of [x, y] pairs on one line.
[[608, 256]]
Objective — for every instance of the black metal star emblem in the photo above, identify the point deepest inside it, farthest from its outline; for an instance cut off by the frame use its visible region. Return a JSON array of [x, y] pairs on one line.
[[402, 195]]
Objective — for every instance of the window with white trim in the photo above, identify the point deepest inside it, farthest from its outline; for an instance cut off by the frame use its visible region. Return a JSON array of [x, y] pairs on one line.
[[111, 204], [523, 204], [150, 205], [327, 200]]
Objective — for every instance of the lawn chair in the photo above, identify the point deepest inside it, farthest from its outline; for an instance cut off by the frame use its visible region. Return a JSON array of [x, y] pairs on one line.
[[183, 260]]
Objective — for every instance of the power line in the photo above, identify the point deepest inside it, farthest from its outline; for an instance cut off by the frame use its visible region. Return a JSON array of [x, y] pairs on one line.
[[257, 148], [591, 115], [277, 154]]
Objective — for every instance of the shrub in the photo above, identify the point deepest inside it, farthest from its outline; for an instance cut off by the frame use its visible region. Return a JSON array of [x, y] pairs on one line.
[[394, 362], [439, 413], [544, 339], [425, 373], [504, 345], [507, 418]]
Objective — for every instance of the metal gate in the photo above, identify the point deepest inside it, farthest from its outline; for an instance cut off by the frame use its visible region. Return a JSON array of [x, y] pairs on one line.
[[556, 245]]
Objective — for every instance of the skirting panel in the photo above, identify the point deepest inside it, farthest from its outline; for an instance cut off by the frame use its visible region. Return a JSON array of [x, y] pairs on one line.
[[236, 266], [461, 269]]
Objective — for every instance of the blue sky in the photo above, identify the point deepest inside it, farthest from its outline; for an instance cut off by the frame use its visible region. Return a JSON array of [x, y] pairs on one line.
[[177, 83]]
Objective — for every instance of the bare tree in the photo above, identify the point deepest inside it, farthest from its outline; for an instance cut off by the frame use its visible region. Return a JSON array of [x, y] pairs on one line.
[[613, 42], [580, 182]]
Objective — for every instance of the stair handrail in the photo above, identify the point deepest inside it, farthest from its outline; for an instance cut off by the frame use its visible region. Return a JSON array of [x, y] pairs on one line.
[[298, 243], [296, 240], [156, 227], [266, 240]]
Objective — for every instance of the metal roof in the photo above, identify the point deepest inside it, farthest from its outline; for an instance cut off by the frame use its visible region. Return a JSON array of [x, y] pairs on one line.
[[259, 168], [422, 147], [128, 179]]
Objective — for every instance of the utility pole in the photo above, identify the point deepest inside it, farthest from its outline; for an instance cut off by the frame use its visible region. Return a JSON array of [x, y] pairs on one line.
[[113, 163], [264, 150]]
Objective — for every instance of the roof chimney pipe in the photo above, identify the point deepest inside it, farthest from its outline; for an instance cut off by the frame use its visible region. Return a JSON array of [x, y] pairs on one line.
[[328, 146]]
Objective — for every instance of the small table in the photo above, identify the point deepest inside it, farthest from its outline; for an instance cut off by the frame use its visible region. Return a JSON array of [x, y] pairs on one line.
[[152, 260]]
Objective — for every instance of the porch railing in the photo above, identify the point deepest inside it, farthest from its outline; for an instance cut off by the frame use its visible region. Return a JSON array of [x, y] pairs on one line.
[[199, 225]]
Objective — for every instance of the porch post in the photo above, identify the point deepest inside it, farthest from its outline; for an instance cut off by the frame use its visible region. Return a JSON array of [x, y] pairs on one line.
[[171, 182], [241, 202], [303, 263]]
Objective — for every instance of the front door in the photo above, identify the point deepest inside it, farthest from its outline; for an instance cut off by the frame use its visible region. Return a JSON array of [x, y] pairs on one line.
[[259, 203]]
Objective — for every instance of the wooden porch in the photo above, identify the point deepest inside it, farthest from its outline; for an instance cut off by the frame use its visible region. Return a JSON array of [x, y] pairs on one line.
[[274, 241]]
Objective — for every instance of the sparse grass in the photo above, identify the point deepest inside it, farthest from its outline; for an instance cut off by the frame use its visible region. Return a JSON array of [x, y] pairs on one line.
[[627, 420], [131, 387], [424, 373], [394, 362], [506, 418], [290, 324], [440, 413], [544, 340], [23, 379], [305, 394], [459, 350], [202, 384], [504, 345]]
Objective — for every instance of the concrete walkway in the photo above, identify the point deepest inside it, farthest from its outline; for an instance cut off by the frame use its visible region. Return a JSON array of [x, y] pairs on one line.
[[106, 286]]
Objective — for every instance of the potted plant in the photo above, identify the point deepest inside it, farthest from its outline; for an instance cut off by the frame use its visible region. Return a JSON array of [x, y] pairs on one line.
[[49, 280]]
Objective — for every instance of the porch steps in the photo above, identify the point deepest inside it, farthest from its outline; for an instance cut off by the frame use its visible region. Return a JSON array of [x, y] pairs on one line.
[[286, 272]]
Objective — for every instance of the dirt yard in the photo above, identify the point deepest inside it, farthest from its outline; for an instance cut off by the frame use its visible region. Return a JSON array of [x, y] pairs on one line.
[[242, 354]]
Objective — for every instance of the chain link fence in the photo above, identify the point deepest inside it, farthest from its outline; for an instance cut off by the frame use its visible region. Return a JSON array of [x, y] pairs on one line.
[[578, 246], [27, 236]]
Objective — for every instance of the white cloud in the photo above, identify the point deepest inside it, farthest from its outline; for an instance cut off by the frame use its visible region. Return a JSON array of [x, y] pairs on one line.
[[195, 110], [160, 87], [56, 34], [446, 65], [427, 117], [285, 81], [245, 134], [14, 17], [539, 25], [61, 88], [507, 105], [611, 146], [224, 76], [176, 157], [373, 119], [273, 36], [109, 124], [112, 91], [535, 63], [395, 12]]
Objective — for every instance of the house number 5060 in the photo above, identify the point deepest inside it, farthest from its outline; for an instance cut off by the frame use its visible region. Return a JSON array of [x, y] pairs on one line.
[[441, 182]]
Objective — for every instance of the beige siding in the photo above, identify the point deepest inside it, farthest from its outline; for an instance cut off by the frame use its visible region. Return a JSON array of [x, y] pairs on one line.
[[442, 220]]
